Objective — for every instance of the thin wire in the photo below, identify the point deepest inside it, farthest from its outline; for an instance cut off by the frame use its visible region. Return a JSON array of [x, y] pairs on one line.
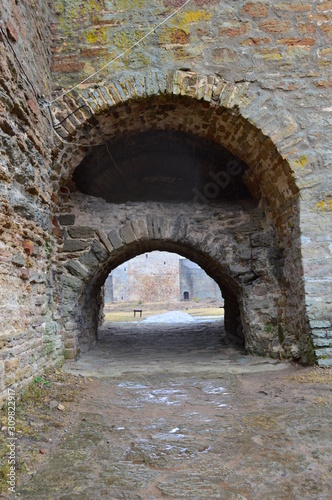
[[120, 55], [97, 126], [75, 143]]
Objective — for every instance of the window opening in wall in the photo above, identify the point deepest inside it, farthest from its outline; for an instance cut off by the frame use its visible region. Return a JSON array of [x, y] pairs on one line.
[[186, 295]]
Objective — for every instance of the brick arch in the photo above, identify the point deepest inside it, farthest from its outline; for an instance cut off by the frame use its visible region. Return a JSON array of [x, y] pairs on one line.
[[84, 274], [256, 131]]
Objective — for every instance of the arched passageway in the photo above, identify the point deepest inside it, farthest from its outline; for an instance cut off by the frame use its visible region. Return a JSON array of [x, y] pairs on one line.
[[85, 275], [182, 171]]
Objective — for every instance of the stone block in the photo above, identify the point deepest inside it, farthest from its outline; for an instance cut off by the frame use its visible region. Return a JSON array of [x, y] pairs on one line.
[[81, 232], [275, 26], [75, 245], [324, 353], [66, 219], [320, 324], [127, 234], [89, 260], [115, 239], [149, 224], [37, 278], [70, 343], [71, 283], [69, 353], [105, 241], [255, 9], [18, 259], [324, 363], [11, 364], [76, 269], [261, 240], [12, 31], [28, 247], [140, 229], [322, 342], [24, 274], [99, 251], [156, 227], [321, 333]]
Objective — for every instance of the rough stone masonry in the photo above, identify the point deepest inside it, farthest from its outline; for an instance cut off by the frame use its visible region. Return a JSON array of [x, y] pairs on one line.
[[139, 161]]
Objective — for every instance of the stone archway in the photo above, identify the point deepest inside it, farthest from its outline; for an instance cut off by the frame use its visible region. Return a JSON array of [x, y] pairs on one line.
[[209, 108], [90, 253]]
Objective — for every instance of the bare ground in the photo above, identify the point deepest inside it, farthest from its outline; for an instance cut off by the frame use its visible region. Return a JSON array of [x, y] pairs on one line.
[[176, 413]]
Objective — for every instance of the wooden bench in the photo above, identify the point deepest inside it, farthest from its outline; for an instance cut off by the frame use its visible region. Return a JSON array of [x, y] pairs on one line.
[[138, 311]]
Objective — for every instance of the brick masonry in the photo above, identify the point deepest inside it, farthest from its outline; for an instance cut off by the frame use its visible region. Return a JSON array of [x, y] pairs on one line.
[[251, 76], [150, 277], [159, 277]]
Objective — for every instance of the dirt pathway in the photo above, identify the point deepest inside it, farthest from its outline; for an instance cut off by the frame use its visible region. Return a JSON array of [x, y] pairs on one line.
[[181, 415]]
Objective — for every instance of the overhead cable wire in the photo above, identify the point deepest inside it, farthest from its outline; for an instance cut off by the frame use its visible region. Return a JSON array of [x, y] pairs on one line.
[[47, 104], [97, 126]]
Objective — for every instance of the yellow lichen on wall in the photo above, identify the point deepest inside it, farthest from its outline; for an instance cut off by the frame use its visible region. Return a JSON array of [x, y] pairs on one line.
[[194, 17], [71, 12], [131, 4], [96, 35], [302, 161], [325, 204], [179, 31]]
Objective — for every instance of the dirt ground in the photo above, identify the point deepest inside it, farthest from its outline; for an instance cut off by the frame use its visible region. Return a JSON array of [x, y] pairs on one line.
[[174, 412]]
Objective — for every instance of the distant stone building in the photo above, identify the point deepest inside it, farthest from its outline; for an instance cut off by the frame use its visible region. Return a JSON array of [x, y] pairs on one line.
[[159, 276], [195, 283]]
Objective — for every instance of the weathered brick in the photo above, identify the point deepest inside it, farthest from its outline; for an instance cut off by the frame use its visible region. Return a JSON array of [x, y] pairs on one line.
[[274, 26], [305, 42], [255, 9], [67, 64], [234, 29]]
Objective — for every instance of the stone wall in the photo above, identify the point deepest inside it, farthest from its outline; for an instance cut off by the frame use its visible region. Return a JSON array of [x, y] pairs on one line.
[[280, 49], [197, 283], [150, 277], [29, 337], [117, 233], [252, 77], [159, 277]]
